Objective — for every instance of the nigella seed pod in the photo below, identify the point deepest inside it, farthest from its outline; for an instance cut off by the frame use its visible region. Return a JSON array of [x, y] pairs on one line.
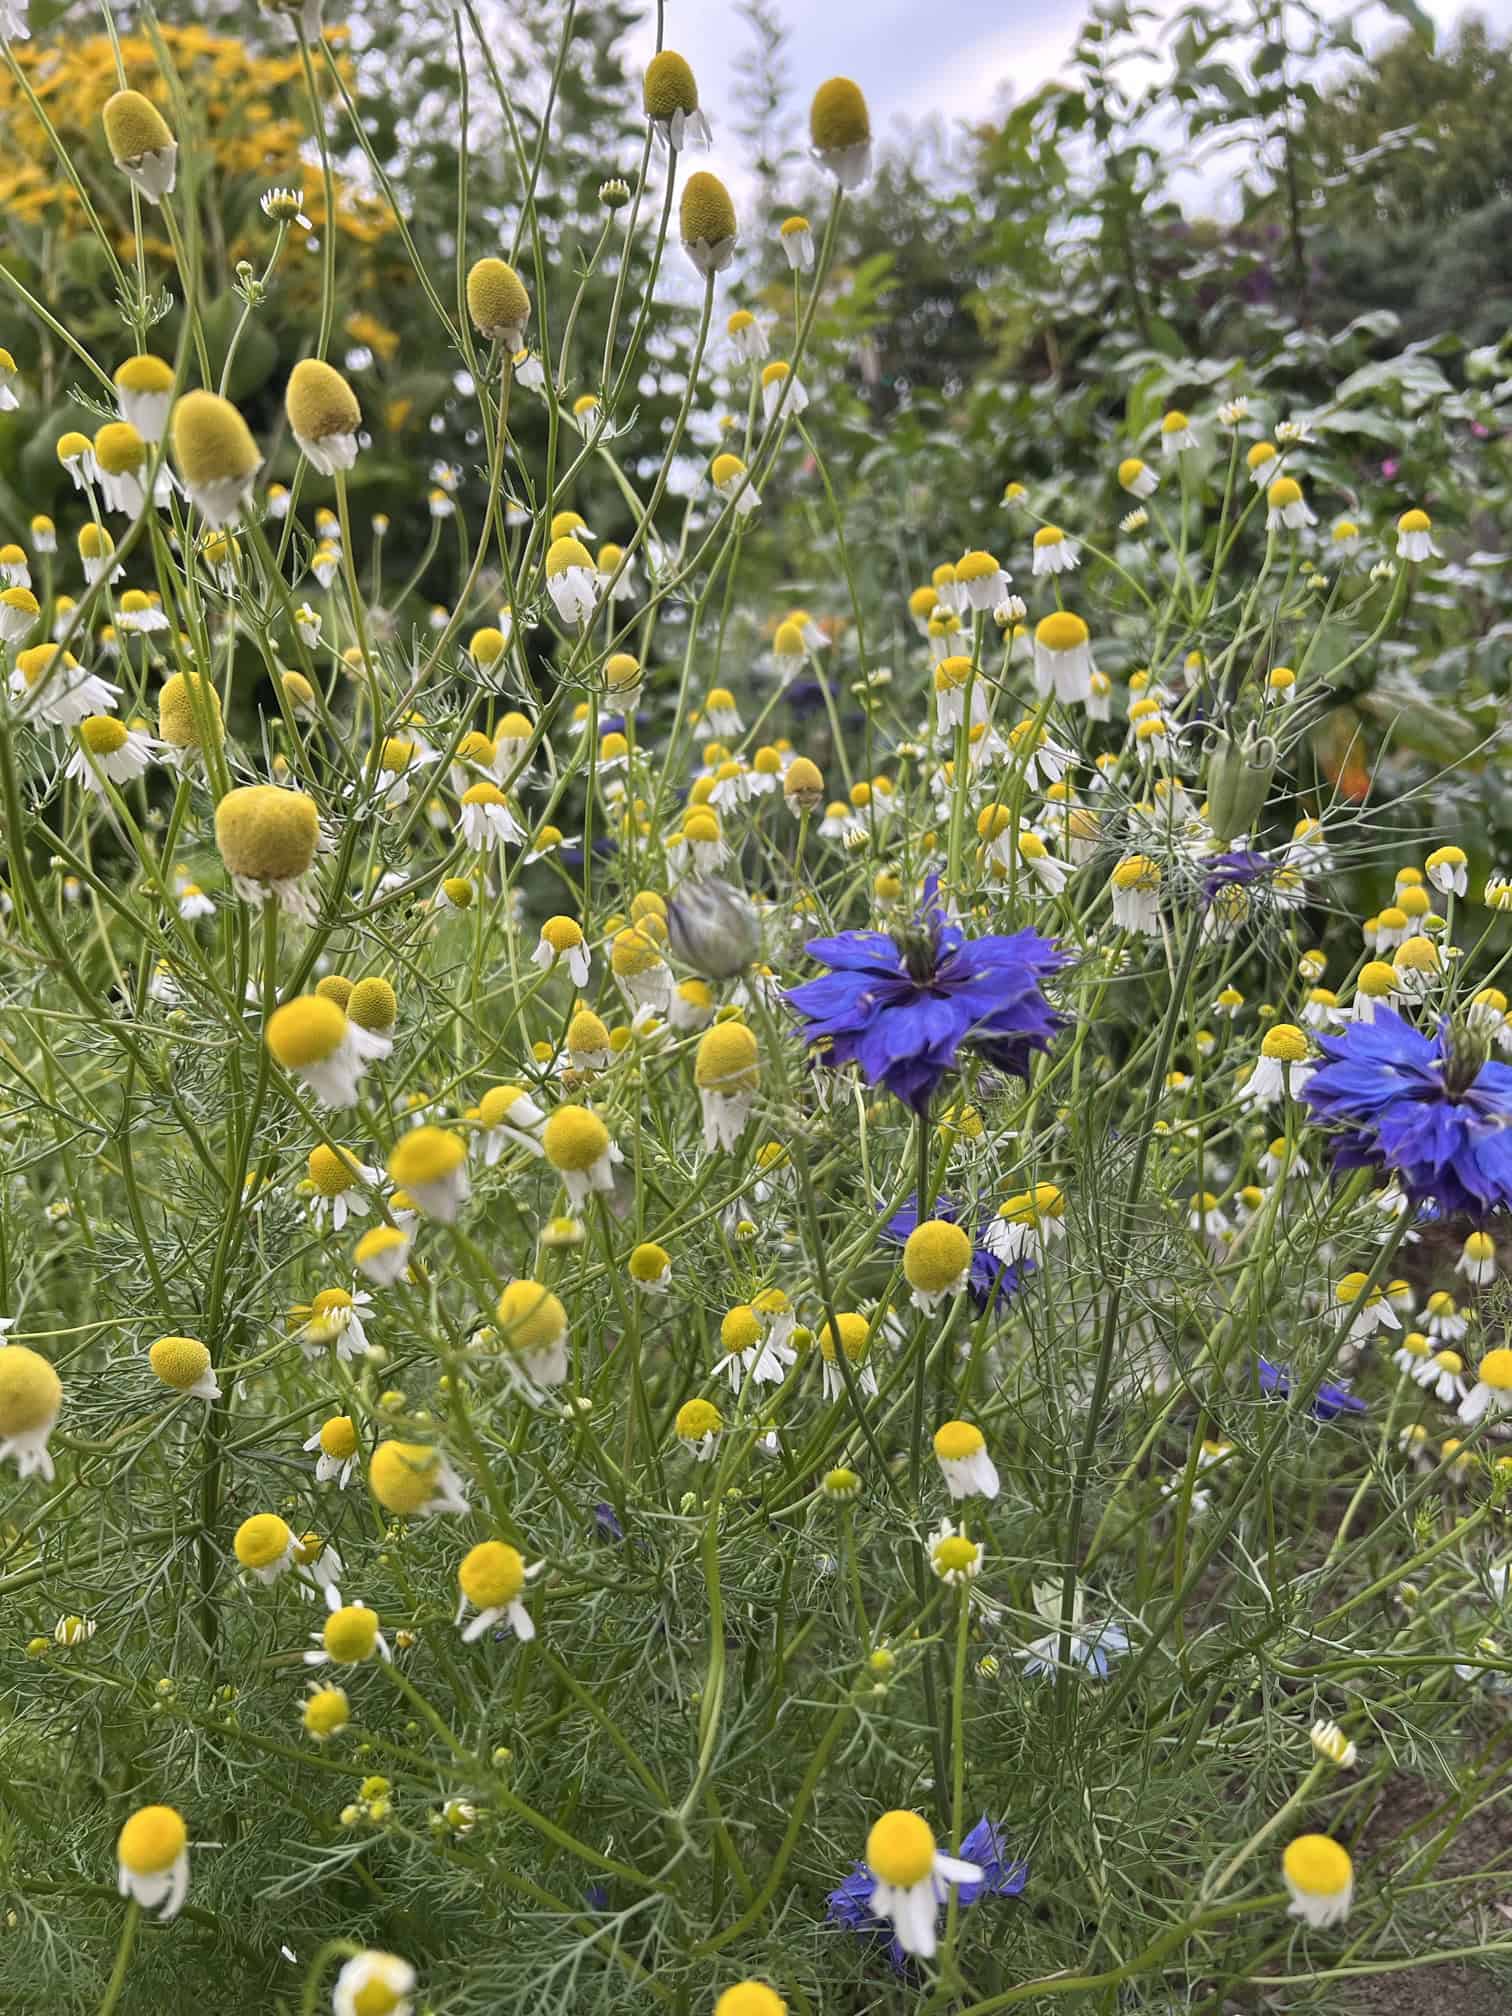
[[713, 928], [1239, 781]]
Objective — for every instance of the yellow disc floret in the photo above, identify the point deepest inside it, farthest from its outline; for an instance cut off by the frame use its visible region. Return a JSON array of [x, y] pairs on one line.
[[900, 1850], [491, 1575], [179, 1361], [936, 1255], [267, 834]]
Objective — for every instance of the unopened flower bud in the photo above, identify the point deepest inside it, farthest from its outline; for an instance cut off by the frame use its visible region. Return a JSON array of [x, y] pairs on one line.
[[615, 193], [713, 928]]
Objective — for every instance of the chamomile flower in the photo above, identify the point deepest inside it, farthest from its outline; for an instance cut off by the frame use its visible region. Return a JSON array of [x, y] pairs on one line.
[[1054, 552], [491, 1578], [849, 1334], [572, 580], [141, 144], [936, 1261], [727, 1073], [31, 1395], [183, 1365], [1283, 1067], [796, 237], [152, 1860], [532, 1331], [415, 1480], [698, 1427], [1415, 536], [1319, 1876], [1492, 1391], [1134, 889], [840, 132], [350, 1636], [1286, 508], [314, 1041], [1477, 1261], [430, 1165], [1063, 658], [264, 1546], [382, 1255], [374, 1983], [780, 388], [961, 1451], [576, 1143], [108, 750], [706, 219], [669, 93], [1137, 477], [336, 1451], [267, 839]]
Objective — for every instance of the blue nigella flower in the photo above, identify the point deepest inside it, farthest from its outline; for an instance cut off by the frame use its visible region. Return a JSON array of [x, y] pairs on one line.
[[606, 1523], [903, 1007], [1441, 1122], [849, 1905], [990, 1280], [1330, 1401], [1002, 1876], [1235, 870]]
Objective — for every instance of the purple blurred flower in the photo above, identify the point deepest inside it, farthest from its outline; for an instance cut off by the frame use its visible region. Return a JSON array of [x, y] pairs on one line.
[[1330, 1401]]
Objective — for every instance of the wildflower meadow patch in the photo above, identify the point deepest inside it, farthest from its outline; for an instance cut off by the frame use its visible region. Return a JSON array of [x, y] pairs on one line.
[[755, 1103]]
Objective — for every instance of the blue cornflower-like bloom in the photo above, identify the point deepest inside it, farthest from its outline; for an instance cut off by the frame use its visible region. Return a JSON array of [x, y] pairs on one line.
[[1002, 1876], [990, 1281], [902, 1008], [1438, 1117], [849, 1904], [1332, 1398]]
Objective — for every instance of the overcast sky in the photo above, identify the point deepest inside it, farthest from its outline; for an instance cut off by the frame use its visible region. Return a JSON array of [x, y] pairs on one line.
[[917, 57]]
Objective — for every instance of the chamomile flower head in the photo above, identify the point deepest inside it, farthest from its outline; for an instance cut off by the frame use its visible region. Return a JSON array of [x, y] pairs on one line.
[[491, 1578], [961, 1451], [848, 1336], [1492, 1391], [911, 1879], [1176, 433], [430, 1164], [414, 1479], [152, 1860], [313, 1040], [796, 237], [953, 1557], [1415, 536], [1137, 477], [669, 94], [576, 1143], [727, 1073], [217, 458], [109, 751], [1287, 509], [498, 303], [1063, 658], [698, 1427], [936, 1261], [840, 136], [31, 1395], [264, 1545], [120, 458], [780, 388], [706, 219], [374, 1983], [350, 1635], [1054, 552], [1320, 1878], [572, 580], [336, 1450], [650, 1268], [267, 839], [326, 1712], [183, 1365], [1448, 870], [750, 1998], [141, 143], [532, 1330], [20, 612], [323, 414]]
